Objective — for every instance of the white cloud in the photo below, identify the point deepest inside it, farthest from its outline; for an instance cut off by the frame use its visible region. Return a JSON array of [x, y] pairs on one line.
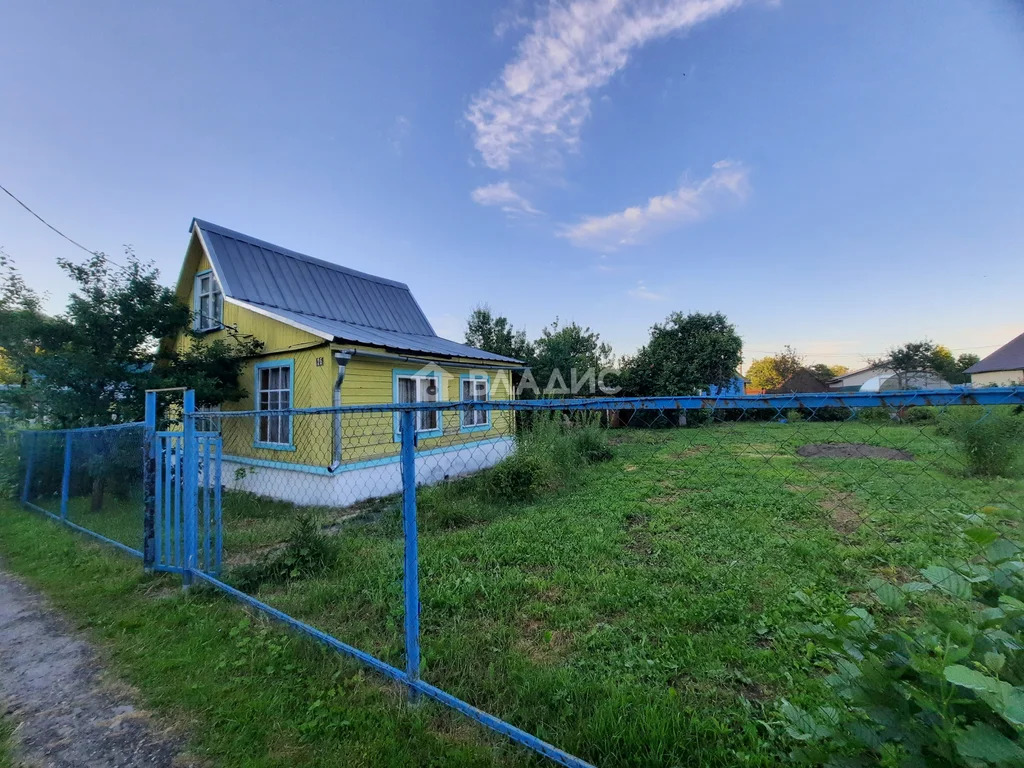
[[644, 293], [503, 196], [398, 134], [543, 94], [689, 203]]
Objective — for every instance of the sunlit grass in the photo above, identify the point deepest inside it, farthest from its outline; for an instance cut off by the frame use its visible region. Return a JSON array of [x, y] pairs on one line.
[[643, 611]]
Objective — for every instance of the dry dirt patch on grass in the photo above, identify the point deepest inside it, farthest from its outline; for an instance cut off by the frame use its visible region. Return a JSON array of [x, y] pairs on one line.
[[844, 511], [852, 451]]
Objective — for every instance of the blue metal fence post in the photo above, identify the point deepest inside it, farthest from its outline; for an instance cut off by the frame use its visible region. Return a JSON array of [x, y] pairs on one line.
[[190, 486], [411, 579], [65, 481], [29, 445], [149, 485]]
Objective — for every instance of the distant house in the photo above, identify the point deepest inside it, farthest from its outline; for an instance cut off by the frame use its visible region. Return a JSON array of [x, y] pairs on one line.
[[335, 336], [852, 381], [801, 381], [878, 378], [1003, 368]]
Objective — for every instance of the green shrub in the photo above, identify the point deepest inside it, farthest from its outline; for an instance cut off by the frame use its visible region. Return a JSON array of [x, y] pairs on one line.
[[591, 444], [794, 414], [948, 693], [918, 414], [519, 478], [307, 552], [988, 439]]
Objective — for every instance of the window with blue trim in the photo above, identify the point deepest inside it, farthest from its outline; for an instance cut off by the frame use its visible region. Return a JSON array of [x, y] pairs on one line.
[[421, 389], [209, 302], [274, 393], [474, 389]]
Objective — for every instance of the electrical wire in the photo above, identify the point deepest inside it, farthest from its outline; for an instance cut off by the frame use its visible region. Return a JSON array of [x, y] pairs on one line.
[[75, 243]]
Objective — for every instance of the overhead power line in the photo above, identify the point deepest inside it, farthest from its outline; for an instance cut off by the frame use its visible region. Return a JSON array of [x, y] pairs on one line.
[[48, 224], [74, 242]]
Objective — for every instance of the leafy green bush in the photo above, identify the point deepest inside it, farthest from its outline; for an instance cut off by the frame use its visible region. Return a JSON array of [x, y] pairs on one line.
[[306, 553], [988, 439], [918, 414], [948, 693], [519, 478]]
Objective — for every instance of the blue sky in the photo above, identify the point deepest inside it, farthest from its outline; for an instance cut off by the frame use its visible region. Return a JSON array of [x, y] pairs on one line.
[[840, 177]]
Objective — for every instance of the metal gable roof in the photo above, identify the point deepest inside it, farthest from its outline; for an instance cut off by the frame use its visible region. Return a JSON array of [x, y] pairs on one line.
[[336, 301], [1009, 357]]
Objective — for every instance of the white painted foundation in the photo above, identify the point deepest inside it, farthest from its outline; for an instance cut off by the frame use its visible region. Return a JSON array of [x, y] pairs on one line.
[[359, 482]]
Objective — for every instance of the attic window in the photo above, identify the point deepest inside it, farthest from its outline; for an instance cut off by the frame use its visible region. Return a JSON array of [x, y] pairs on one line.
[[209, 302]]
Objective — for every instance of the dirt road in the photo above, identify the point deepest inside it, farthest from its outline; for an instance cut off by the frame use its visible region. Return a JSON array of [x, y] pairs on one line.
[[67, 712]]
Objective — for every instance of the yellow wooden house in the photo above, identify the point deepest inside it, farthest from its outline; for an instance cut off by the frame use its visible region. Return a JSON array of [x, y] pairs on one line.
[[335, 336]]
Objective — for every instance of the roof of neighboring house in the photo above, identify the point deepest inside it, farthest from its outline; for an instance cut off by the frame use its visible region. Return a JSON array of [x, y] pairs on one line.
[[1009, 357], [859, 371], [326, 299], [801, 381]]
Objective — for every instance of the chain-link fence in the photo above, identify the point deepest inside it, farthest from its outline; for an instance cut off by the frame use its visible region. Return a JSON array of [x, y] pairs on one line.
[[90, 478], [702, 581]]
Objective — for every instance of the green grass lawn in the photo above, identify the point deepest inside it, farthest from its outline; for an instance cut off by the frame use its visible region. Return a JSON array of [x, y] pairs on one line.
[[6, 733], [643, 615]]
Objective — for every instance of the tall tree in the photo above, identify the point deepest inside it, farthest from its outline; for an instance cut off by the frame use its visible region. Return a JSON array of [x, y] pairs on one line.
[[825, 372], [909, 359], [564, 356], [685, 354], [494, 333], [92, 365], [771, 372], [952, 368]]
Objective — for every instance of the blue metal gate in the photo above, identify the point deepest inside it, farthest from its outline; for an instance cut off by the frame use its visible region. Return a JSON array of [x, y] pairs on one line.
[[182, 484]]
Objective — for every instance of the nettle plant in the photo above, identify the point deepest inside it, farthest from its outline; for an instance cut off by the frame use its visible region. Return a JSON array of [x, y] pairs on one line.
[[949, 692]]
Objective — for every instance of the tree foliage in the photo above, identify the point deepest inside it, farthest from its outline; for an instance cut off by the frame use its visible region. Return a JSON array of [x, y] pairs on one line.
[[771, 372], [494, 333], [92, 364], [825, 372], [563, 349], [926, 357], [685, 354]]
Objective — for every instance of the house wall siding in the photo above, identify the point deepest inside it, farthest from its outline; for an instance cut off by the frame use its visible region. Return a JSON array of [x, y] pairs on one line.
[[997, 378], [369, 381], [365, 437]]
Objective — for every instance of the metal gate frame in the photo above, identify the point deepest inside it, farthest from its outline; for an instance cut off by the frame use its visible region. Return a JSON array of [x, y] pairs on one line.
[[182, 492]]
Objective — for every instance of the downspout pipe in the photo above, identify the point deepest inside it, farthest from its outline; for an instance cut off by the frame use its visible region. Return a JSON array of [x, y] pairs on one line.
[[341, 358]]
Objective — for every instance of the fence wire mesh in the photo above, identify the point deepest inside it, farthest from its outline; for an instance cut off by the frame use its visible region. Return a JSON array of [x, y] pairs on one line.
[[637, 583], [89, 477]]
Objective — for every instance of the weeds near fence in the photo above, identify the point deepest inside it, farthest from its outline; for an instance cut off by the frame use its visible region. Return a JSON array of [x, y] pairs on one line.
[[990, 441], [307, 552]]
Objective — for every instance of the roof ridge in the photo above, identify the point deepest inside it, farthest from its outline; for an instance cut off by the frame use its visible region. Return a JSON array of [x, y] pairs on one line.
[[236, 235]]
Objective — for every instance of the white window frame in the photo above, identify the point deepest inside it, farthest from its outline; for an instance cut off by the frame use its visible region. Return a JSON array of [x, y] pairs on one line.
[[208, 418], [474, 420], [277, 445], [428, 423], [215, 297]]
